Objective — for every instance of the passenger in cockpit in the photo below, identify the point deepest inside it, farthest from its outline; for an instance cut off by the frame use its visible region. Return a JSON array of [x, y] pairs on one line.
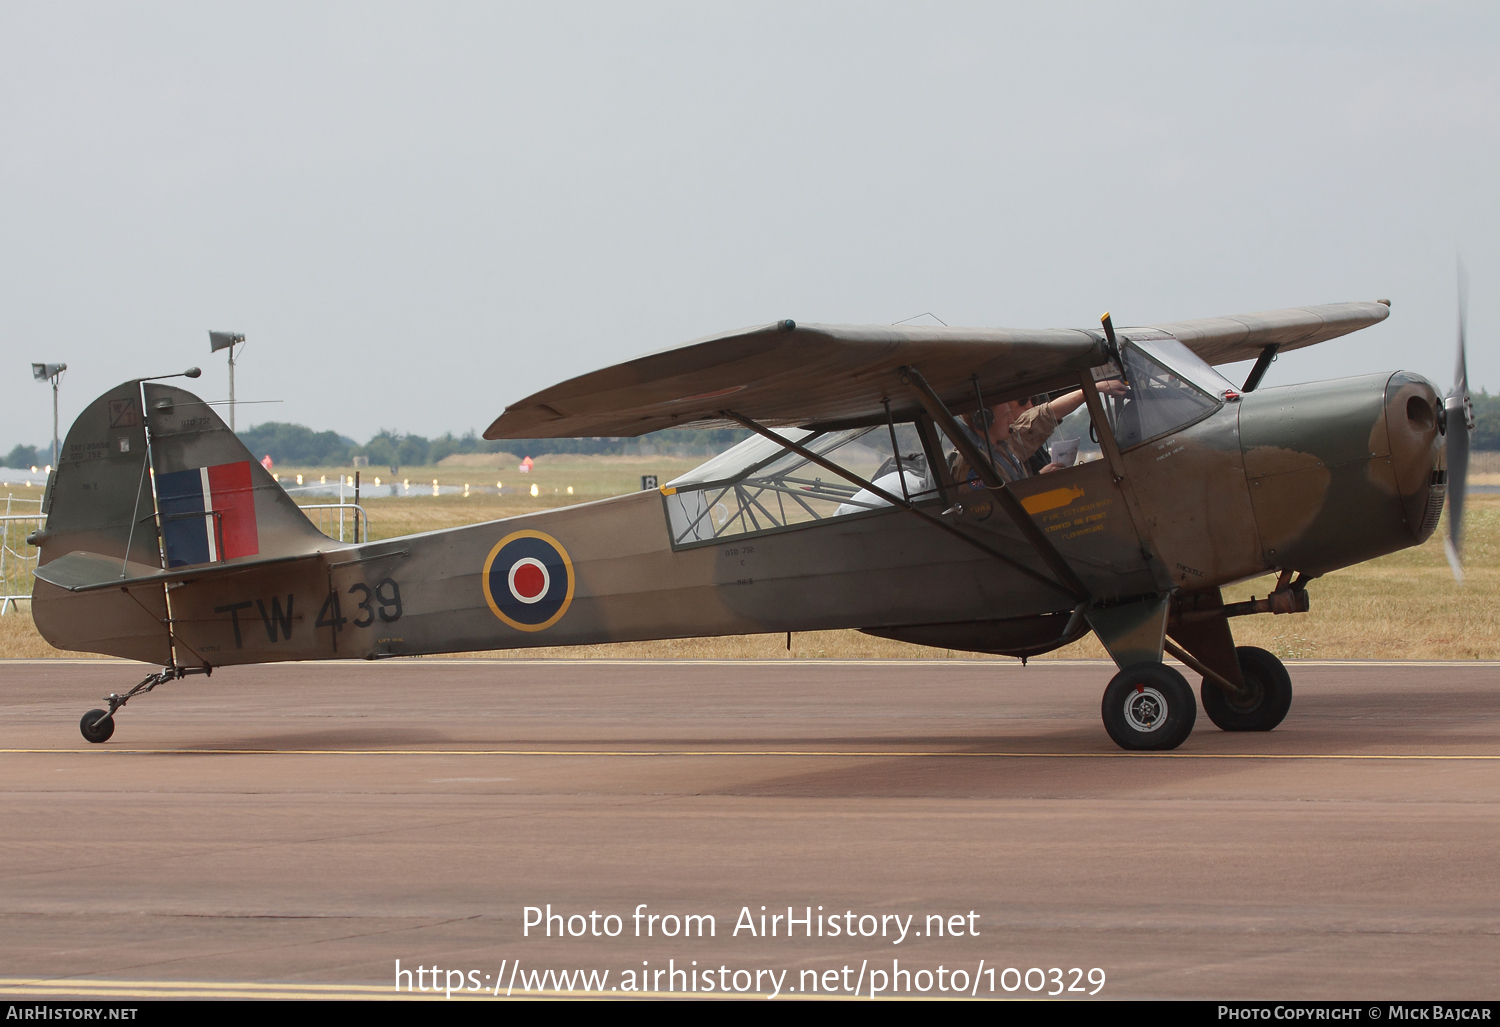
[[1019, 428]]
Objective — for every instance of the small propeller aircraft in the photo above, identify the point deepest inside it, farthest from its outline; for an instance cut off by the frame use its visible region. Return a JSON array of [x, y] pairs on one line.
[[871, 494]]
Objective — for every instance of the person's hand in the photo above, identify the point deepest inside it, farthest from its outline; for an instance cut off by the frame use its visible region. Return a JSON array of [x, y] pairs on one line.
[[1051, 467], [1113, 387]]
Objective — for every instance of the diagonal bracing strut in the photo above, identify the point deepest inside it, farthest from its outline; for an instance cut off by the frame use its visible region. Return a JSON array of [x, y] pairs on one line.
[[938, 411], [828, 465]]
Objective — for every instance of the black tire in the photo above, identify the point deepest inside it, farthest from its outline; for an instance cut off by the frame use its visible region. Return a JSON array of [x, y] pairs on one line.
[[94, 729], [1149, 707], [1269, 694]]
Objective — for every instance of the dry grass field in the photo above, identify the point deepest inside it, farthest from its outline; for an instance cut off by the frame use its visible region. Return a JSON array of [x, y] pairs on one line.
[[1404, 606]]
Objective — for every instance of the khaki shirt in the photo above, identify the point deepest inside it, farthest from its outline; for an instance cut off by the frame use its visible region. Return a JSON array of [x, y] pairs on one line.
[[1030, 431], [1027, 434]]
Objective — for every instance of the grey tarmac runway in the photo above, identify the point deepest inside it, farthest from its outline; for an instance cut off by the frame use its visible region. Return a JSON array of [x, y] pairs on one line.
[[297, 829]]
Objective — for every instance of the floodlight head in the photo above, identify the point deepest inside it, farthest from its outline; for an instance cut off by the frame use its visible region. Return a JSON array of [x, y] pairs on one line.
[[191, 372], [44, 372], [223, 340]]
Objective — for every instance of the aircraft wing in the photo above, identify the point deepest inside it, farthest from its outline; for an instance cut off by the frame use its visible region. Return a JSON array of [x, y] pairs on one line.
[[794, 374], [1224, 340]]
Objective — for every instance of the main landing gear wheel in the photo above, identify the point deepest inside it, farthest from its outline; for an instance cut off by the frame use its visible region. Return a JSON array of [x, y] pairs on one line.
[[1266, 698], [1149, 706], [97, 725]]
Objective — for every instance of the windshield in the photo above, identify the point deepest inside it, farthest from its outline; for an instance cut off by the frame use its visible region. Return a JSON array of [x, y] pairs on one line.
[[1155, 399], [1190, 365]]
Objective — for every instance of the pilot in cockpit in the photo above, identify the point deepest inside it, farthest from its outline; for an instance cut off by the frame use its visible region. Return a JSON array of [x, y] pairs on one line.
[[1017, 431]]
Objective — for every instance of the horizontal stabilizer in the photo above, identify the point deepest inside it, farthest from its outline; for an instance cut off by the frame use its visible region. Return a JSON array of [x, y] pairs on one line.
[[90, 572]]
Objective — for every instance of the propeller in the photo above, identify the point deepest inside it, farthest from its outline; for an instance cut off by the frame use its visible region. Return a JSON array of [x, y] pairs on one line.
[[1459, 411]]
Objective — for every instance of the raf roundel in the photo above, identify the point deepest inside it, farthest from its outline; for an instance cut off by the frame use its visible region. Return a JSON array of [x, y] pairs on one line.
[[528, 580]]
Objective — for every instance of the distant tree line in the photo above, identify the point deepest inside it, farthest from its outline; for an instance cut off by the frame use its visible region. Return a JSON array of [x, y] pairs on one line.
[[296, 444], [300, 446], [27, 456], [1486, 421]]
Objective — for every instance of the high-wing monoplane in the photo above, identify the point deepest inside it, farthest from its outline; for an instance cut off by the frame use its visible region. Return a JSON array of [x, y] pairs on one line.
[[868, 495]]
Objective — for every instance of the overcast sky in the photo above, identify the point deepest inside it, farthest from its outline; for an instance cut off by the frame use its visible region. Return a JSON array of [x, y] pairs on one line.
[[418, 213]]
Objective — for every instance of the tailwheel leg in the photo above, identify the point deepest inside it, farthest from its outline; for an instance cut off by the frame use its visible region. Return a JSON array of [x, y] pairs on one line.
[[98, 725], [1149, 706], [1261, 704]]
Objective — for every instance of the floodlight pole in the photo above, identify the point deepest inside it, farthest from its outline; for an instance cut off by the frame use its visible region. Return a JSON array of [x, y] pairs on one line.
[[227, 340], [52, 373], [231, 387]]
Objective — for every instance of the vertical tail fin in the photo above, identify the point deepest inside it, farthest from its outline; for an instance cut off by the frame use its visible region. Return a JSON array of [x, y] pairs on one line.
[[194, 495]]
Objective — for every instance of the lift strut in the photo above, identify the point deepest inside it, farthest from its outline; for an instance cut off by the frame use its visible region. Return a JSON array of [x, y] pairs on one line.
[[901, 503], [1006, 499]]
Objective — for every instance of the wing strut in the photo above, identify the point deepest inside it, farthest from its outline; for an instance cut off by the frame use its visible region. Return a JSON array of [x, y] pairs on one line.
[[828, 465], [1262, 364], [939, 412]]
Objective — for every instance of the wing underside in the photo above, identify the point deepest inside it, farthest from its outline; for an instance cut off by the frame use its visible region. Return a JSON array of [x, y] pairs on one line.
[[824, 375], [1225, 340]]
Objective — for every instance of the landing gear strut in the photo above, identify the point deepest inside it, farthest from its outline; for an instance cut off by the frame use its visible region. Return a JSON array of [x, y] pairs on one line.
[[99, 725]]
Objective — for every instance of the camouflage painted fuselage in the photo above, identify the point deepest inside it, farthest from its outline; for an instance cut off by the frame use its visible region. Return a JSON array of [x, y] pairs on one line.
[[1306, 478]]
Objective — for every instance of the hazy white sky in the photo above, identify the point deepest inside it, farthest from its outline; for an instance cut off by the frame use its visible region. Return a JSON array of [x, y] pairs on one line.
[[418, 213]]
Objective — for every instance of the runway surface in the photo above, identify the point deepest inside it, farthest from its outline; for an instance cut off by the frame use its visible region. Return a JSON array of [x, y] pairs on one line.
[[294, 830]]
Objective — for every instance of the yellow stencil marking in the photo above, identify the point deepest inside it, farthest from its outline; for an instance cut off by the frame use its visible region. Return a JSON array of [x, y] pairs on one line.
[[1044, 501]]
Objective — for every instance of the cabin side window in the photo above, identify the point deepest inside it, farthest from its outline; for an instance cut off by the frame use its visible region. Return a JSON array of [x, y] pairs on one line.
[[759, 487]]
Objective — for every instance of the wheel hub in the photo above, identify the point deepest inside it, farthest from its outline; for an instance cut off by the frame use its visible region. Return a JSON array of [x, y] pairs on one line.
[[1145, 709], [1252, 694]]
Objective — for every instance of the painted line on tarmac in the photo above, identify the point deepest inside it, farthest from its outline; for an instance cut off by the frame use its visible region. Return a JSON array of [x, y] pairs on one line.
[[88, 983], [94, 989], [750, 661], [725, 753], [98, 989], [874, 661]]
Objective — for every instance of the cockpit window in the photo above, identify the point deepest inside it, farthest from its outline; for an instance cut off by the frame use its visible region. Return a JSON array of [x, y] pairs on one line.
[[1157, 399], [758, 487], [1190, 365]]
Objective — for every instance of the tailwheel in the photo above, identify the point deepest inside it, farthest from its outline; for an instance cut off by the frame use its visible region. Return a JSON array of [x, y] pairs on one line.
[[1149, 706], [97, 725], [1265, 700]]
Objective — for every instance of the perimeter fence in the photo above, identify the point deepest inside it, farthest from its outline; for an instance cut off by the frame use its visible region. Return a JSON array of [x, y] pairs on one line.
[[344, 521], [17, 558]]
